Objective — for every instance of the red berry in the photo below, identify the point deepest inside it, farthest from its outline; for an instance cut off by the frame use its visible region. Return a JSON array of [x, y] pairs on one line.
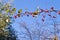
[[52, 8], [18, 15], [43, 19], [46, 10], [59, 12], [42, 10], [15, 16], [43, 16], [33, 16], [30, 13], [49, 15], [54, 16], [27, 15]]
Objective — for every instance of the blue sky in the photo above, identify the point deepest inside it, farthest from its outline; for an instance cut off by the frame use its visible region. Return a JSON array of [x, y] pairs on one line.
[[31, 5]]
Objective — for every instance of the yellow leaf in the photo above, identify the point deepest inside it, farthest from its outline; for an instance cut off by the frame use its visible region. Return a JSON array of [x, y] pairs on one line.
[[55, 38], [19, 11], [12, 12], [7, 11], [14, 9], [7, 5], [35, 13], [2, 8]]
